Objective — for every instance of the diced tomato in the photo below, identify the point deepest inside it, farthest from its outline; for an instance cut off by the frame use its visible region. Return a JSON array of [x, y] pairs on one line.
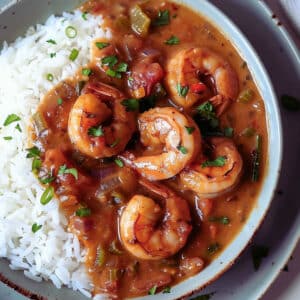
[[198, 87]]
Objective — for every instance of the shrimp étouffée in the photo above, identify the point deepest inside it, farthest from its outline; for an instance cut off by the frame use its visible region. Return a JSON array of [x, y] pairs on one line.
[[99, 125], [183, 71], [212, 181], [149, 233], [171, 134]]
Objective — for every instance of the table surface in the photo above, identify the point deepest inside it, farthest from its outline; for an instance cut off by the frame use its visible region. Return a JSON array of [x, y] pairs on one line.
[[287, 285]]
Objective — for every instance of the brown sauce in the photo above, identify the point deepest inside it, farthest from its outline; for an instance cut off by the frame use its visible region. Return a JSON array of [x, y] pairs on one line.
[[102, 189]]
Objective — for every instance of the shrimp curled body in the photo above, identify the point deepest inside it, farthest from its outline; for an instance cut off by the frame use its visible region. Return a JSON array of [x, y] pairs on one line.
[[99, 125], [212, 181], [184, 70], [169, 144], [149, 233]]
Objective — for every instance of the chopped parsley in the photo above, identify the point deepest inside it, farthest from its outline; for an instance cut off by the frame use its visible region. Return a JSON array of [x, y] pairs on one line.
[[35, 227], [290, 103], [102, 45], [258, 253], [182, 149], [36, 164], [86, 72], [131, 104], [51, 42], [222, 220], [71, 32], [52, 54], [119, 162], [47, 195], [207, 112], [84, 15], [190, 130], [59, 101], [46, 180], [228, 131], [166, 290], [18, 127], [33, 152], [213, 248], [182, 90], [173, 40], [163, 18], [83, 212], [10, 119], [7, 138], [218, 162], [74, 54], [114, 70], [96, 131], [152, 291], [64, 170]]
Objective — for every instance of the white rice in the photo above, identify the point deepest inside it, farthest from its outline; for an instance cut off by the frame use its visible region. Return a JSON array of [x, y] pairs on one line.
[[52, 253]]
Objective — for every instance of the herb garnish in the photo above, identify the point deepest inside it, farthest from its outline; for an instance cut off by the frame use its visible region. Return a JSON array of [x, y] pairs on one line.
[[59, 101], [182, 149], [47, 195], [86, 72], [173, 40], [190, 130], [131, 104], [46, 180], [10, 119], [7, 138], [163, 18], [182, 90], [258, 253], [166, 290], [114, 71], [51, 42], [74, 54], [36, 164], [213, 248], [290, 103], [96, 131], [50, 77], [207, 112], [218, 162], [83, 212], [33, 152], [64, 170], [152, 291], [110, 60], [222, 220], [52, 54], [101, 45], [84, 15], [35, 227], [119, 162], [71, 32]]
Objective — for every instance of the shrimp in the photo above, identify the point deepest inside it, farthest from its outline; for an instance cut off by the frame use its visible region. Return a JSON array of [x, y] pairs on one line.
[[184, 70], [212, 181], [172, 141], [149, 233], [99, 125]]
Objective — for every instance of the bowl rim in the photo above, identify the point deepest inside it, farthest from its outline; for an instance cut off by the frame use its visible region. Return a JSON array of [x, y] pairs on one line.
[[231, 29]]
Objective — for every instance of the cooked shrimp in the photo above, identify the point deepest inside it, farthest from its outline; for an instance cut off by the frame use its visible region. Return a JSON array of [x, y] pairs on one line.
[[99, 125], [172, 141], [150, 232], [212, 181], [183, 71]]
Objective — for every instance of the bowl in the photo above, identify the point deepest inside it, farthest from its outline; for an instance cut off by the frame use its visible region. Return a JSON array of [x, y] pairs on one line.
[[11, 25]]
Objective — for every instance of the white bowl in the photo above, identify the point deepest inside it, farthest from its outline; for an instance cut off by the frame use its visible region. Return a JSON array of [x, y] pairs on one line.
[[231, 253]]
